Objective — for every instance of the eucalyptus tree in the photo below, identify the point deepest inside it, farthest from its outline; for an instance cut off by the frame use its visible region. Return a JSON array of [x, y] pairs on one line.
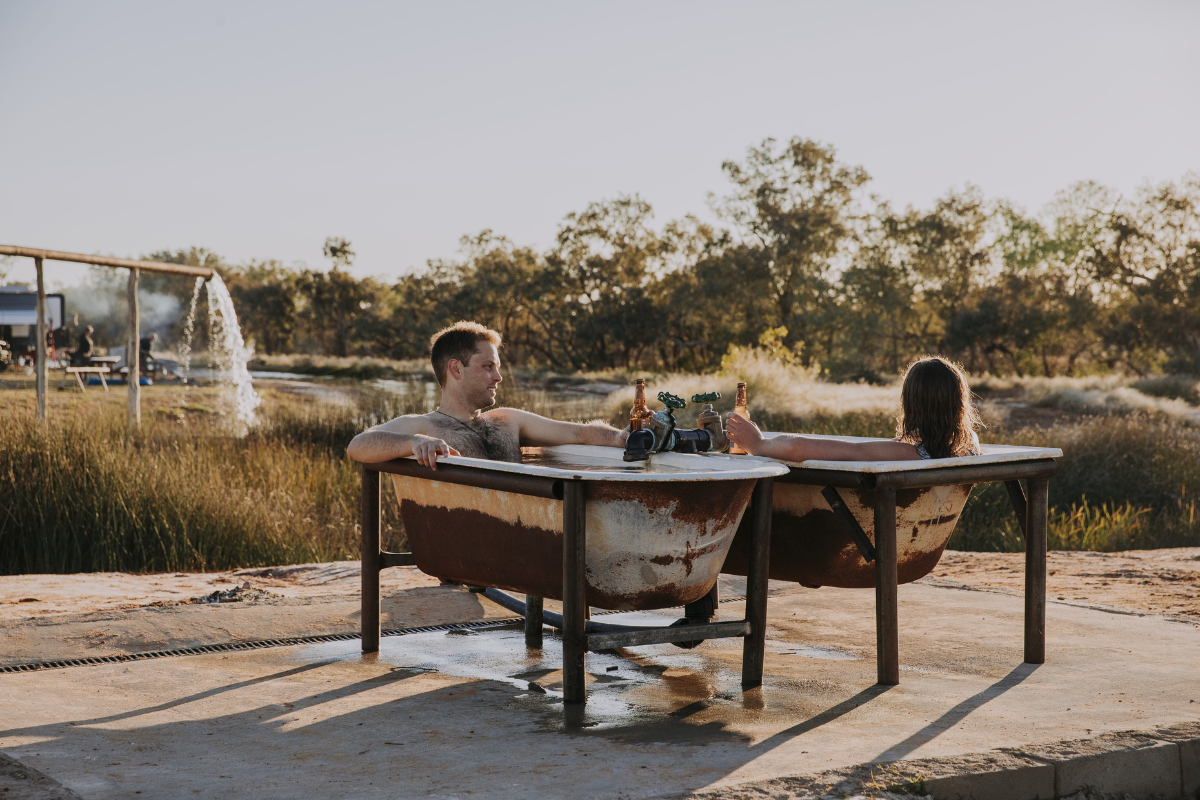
[[795, 208]]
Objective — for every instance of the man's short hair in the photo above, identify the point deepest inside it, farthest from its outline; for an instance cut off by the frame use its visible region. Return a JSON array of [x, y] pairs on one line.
[[458, 342]]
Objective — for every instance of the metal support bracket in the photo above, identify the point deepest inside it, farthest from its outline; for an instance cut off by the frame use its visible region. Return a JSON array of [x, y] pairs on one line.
[[1017, 498], [850, 523], [689, 633]]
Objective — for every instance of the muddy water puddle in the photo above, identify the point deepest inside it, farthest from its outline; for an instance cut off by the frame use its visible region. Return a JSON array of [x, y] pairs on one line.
[[628, 691]]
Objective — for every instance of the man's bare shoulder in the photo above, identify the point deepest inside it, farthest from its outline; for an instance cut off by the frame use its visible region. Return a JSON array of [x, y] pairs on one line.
[[517, 418], [409, 423]]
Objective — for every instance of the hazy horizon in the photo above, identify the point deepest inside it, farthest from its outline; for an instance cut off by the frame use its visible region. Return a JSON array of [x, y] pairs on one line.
[[258, 131]]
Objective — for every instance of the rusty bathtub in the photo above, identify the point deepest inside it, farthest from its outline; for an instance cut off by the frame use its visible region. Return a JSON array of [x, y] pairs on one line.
[[827, 517], [577, 524], [657, 535]]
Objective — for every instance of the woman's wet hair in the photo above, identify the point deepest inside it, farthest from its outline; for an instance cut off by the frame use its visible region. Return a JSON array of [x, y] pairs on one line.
[[937, 411]]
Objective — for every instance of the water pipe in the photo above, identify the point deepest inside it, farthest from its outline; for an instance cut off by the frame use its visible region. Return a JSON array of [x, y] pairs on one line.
[[555, 620]]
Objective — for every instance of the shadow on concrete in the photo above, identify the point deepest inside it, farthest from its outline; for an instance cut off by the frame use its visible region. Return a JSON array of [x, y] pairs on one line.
[[204, 695], [956, 715], [824, 718], [431, 725]]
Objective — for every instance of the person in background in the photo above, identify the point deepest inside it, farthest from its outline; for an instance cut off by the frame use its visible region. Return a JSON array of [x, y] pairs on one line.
[[86, 348], [144, 356], [938, 420]]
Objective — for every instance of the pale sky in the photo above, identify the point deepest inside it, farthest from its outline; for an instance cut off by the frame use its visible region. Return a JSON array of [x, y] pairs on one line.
[[258, 129]]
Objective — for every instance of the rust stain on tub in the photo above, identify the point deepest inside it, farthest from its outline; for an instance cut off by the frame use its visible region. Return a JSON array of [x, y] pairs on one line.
[[810, 546], [649, 544]]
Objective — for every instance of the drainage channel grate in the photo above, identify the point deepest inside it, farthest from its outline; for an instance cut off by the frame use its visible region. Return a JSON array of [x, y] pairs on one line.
[[225, 648], [262, 643]]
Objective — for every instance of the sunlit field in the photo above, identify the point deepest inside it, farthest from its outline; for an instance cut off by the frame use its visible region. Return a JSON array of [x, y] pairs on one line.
[[79, 494]]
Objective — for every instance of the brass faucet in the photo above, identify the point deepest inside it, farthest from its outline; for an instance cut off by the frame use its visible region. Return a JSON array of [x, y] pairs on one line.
[[661, 435]]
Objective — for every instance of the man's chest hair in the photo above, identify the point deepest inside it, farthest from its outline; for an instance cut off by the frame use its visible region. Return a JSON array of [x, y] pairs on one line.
[[483, 437]]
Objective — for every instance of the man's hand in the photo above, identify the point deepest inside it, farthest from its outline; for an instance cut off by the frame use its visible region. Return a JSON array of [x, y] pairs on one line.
[[742, 432], [427, 449], [621, 436]]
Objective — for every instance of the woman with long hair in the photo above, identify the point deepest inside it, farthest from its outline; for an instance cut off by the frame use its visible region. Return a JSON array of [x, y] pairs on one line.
[[937, 420]]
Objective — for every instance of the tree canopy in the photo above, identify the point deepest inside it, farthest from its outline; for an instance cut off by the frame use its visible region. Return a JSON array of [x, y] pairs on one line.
[[838, 278]]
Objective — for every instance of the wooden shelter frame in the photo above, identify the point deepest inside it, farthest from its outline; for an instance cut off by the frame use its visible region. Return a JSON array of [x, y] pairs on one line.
[[132, 354]]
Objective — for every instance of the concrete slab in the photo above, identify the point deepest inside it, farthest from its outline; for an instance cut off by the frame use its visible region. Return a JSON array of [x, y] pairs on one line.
[[1187, 737], [116, 632], [1132, 764], [21, 782], [476, 714]]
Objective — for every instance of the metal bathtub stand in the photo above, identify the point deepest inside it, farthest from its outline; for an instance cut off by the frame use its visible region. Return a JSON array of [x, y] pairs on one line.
[[579, 636], [1032, 516], [577, 641]]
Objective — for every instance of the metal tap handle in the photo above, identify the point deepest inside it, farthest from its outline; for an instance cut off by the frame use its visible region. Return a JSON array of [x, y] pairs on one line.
[[707, 397], [671, 401]]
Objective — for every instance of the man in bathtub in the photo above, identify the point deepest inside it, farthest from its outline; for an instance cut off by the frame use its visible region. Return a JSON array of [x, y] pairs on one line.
[[466, 361]]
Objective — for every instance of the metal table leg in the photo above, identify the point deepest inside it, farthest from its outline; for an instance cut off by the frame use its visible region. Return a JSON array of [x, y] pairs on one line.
[[754, 644], [574, 591], [370, 515], [533, 621], [887, 630], [1035, 571]]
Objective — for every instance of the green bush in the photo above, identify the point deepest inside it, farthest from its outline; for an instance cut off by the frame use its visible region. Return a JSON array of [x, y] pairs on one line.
[[1172, 387], [1122, 483]]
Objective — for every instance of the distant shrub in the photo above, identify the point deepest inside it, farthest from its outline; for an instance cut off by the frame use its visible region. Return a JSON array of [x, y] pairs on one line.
[[1172, 387], [1122, 483]]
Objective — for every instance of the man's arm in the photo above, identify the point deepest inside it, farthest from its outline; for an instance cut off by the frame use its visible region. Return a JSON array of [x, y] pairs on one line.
[[538, 431], [399, 438]]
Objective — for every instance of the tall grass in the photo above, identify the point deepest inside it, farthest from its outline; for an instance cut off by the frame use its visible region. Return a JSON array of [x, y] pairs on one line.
[[79, 494]]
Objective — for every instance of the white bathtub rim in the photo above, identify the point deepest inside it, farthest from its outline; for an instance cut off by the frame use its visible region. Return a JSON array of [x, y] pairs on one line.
[[698, 467], [992, 454]]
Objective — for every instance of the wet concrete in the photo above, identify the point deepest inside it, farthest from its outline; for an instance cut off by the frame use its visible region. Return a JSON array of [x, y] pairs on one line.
[[477, 714]]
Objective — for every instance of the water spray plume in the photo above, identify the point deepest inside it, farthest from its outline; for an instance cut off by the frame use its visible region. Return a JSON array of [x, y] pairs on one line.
[[230, 354], [189, 328]]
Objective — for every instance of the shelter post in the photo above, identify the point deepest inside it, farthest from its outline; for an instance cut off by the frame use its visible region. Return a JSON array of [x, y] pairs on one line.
[[132, 354], [41, 340]]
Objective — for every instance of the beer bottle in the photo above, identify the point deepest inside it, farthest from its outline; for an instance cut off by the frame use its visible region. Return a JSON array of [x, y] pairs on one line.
[[639, 413], [739, 408]]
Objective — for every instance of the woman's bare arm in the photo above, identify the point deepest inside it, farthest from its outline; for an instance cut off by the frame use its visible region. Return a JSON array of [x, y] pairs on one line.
[[796, 447]]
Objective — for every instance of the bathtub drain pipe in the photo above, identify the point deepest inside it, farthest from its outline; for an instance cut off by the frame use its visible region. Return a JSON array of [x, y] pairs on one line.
[[555, 620]]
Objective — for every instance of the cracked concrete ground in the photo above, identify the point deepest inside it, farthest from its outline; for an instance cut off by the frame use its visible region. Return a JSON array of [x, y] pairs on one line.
[[478, 715]]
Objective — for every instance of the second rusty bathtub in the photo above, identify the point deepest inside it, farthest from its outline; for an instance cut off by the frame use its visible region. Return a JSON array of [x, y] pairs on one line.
[[811, 546], [657, 534]]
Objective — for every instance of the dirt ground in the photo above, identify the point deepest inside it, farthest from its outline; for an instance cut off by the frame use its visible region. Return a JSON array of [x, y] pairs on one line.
[[1159, 581], [23, 596]]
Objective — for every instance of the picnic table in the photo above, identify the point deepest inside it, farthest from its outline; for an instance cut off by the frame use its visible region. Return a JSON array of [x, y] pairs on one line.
[[99, 371]]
